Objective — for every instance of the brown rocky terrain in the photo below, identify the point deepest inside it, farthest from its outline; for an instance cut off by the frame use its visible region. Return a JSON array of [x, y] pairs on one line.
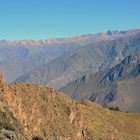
[[32, 112]]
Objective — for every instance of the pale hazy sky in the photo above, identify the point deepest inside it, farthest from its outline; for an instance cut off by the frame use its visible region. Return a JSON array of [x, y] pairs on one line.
[[42, 19]]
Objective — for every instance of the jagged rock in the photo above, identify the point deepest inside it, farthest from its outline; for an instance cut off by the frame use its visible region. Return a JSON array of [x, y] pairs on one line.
[[2, 80]]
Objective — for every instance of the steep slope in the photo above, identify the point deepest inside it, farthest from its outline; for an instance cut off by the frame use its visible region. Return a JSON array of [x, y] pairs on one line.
[[10, 127], [20, 57], [129, 92], [114, 87], [91, 58], [43, 113]]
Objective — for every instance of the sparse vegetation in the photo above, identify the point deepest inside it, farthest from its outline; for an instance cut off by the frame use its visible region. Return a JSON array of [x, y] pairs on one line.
[[114, 108], [37, 138], [41, 113]]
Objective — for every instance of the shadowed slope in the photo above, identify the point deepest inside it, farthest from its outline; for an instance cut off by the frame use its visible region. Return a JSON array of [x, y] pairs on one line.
[[117, 86]]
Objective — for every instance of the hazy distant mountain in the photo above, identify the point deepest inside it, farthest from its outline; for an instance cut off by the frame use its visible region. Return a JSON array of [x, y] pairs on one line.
[[20, 57], [89, 59], [118, 86]]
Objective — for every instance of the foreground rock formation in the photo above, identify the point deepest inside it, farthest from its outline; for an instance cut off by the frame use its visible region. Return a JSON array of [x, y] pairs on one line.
[[33, 112]]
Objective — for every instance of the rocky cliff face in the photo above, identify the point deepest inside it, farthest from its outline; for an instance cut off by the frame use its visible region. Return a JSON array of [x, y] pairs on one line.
[[36, 112]]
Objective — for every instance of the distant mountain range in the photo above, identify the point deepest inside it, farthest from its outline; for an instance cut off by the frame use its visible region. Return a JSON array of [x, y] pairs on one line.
[[91, 58], [20, 57], [102, 67]]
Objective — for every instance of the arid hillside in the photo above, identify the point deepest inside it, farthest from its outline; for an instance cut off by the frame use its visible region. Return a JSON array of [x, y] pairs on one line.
[[33, 112]]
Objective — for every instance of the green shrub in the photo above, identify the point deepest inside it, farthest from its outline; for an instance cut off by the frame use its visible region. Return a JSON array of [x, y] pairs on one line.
[[37, 138]]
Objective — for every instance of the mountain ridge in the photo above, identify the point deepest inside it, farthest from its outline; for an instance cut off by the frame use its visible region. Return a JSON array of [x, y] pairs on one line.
[[84, 60], [109, 32], [28, 55]]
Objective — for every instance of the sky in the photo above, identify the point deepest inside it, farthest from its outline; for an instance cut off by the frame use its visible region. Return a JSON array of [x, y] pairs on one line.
[[43, 19]]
